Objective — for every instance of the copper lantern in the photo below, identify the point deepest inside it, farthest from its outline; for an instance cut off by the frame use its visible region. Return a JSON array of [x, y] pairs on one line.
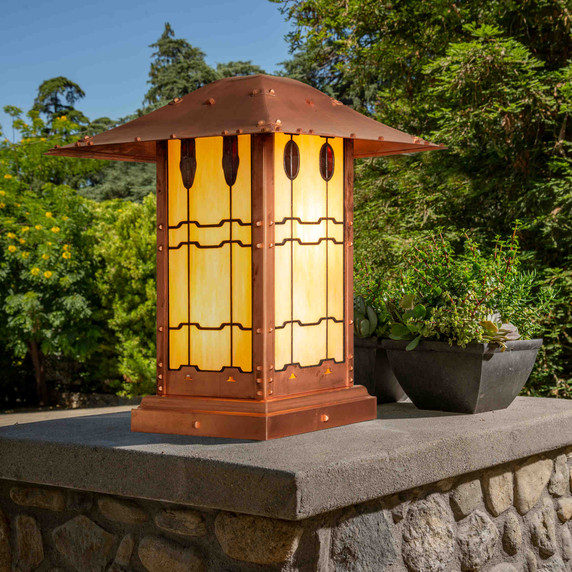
[[254, 255]]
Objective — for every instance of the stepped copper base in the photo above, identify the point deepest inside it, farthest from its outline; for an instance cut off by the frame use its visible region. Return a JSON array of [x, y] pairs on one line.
[[250, 419]]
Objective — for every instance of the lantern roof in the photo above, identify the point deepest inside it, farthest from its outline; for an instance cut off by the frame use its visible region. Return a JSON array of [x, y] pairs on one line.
[[246, 105]]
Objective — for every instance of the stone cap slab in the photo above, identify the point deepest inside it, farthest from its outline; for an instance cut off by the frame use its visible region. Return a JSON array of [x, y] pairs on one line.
[[291, 478]]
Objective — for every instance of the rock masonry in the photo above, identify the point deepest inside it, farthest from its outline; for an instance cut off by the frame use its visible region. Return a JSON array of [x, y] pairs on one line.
[[513, 518]]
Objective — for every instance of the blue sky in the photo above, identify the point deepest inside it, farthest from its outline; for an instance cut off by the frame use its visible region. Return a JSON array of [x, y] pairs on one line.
[[103, 45]]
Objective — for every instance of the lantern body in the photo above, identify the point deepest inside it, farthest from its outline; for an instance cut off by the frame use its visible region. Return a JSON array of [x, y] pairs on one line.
[[255, 300]]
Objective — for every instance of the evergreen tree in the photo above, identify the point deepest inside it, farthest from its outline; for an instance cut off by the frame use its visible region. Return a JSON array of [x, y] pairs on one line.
[[177, 68], [56, 97], [231, 69]]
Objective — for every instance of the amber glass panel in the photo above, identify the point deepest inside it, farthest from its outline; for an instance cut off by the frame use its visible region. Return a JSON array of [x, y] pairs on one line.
[[210, 259], [309, 253]]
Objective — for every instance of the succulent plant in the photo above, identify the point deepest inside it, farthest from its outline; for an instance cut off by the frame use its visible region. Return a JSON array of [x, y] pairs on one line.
[[495, 332], [365, 318]]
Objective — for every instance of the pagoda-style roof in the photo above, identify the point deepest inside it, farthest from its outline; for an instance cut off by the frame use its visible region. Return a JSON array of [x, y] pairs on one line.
[[246, 104]]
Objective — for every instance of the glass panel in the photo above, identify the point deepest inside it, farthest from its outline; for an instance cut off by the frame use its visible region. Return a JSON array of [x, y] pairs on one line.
[[241, 286], [242, 349], [309, 344], [335, 341], [282, 343], [210, 349], [178, 286], [178, 347], [309, 283]]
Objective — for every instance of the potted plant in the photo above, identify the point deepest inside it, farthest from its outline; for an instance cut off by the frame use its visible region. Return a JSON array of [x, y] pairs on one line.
[[371, 366], [462, 333]]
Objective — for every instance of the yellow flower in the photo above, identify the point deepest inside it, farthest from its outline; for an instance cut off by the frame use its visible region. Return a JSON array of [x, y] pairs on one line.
[[63, 118], [25, 228], [65, 218], [38, 227], [47, 274], [2, 205], [49, 215], [11, 235], [55, 229], [22, 241], [25, 254], [35, 271], [42, 138], [12, 248], [66, 246], [6, 176], [49, 243], [45, 256], [2, 193], [18, 205], [66, 255]]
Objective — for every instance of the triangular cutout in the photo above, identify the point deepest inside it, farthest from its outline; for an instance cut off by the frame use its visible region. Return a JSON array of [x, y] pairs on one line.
[[328, 371], [292, 376], [230, 378]]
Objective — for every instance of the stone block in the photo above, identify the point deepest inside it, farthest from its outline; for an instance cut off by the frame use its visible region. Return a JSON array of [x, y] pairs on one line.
[[498, 486], [122, 511], [5, 549], [543, 529], [555, 564], [504, 567], [184, 522], [564, 509], [257, 539], [466, 498], [160, 555], [477, 536], [125, 550], [530, 561], [512, 535], [84, 544], [362, 541], [530, 480], [559, 481], [566, 543], [29, 544], [37, 497], [428, 536]]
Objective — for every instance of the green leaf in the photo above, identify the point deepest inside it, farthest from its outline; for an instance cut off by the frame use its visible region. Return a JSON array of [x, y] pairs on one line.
[[407, 302], [413, 344], [419, 311], [401, 331]]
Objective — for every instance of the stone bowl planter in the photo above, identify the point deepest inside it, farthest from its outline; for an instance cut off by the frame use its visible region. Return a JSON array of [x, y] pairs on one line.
[[372, 369], [474, 379]]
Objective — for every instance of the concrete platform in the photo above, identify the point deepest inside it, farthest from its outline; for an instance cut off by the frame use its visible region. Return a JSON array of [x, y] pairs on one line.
[[291, 478]]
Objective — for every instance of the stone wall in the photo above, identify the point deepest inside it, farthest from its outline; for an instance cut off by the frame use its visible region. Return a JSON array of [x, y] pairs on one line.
[[512, 518]]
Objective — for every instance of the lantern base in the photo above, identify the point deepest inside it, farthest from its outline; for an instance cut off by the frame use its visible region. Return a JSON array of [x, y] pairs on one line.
[[250, 419]]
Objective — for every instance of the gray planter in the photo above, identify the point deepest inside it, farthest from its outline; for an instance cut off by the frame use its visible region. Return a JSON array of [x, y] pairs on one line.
[[372, 369], [474, 379]]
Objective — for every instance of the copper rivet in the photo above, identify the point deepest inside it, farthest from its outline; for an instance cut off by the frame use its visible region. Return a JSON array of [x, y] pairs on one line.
[[271, 368], [298, 130], [324, 418], [351, 379], [210, 101], [259, 392], [271, 223], [416, 140], [90, 142], [258, 380], [258, 368], [309, 101], [160, 227], [259, 245], [311, 131], [224, 132], [271, 245], [380, 138], [160, 388], [137, 139], [352, 135], [351, 356], [270, 392], [270, 379], [258, 223], [254, 92], [160, 328], [160, 376], [351, 321], [239, 131], [77, 143], [160, 247], [270, 330], [351, 367], [86, 137], [264, 129], [160, 364], [173, 136], [56, 146], [261, 122], [350, 223], [196, 424], [278, 122], [271, 92], [188, 377], [350, 243], [258, 330]]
